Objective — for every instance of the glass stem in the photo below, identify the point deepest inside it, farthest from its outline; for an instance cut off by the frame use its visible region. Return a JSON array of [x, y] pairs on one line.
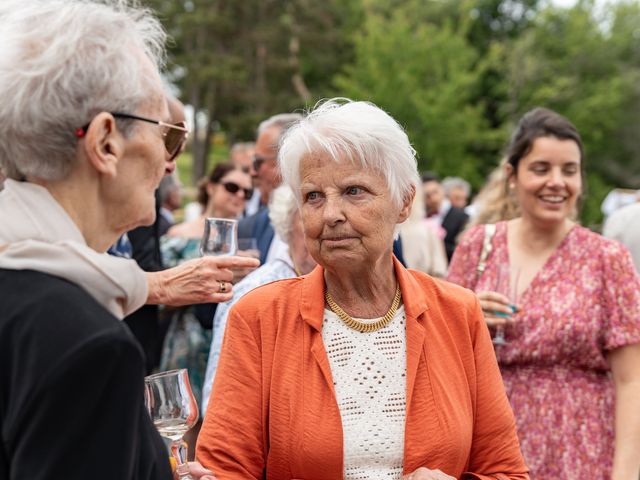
[[179, 451]]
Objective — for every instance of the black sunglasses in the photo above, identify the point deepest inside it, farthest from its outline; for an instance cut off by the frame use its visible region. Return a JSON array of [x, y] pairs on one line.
[[258, 161], [232, 187], [175, 135]]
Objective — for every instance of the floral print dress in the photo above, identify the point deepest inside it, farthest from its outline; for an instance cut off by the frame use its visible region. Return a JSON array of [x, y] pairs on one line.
[[583, 303]]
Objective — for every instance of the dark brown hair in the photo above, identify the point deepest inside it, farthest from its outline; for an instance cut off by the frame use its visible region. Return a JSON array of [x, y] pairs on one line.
[[215, 176], [541, 122]]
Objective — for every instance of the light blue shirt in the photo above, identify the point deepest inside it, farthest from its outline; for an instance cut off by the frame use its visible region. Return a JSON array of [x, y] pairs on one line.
[[279, 268]]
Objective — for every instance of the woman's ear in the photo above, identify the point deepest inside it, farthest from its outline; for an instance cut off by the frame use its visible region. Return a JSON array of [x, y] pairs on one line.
[[510, 175], [211, 189], [104, 144], [407, 202]]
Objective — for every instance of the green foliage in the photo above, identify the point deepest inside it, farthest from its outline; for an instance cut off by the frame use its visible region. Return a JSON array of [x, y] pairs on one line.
[[424, 75], [457, 74], [239, 62], [571, 62]]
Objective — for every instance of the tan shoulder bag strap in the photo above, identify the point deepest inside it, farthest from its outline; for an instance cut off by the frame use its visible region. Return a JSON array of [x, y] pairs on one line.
[[487, 246]]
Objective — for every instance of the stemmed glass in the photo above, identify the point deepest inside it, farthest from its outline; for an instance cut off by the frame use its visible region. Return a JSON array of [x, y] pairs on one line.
[[220, 237], [506, 283], [174, 411]]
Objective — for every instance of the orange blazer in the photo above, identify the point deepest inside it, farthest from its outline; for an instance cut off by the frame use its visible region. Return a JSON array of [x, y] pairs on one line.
[[273, 413]]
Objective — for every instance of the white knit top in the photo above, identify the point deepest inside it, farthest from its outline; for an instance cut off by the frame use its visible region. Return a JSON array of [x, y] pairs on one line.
[[369, 378]]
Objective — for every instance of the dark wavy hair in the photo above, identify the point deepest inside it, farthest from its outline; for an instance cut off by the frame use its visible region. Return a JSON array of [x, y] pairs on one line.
[[218, 172]]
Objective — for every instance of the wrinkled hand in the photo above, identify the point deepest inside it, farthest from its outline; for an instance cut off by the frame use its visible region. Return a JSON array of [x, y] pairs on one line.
[[423, 473], [496, 308], [198, 472], [201, 280]]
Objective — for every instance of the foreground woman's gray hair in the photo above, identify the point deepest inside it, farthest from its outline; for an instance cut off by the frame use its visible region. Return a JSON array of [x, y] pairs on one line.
[[62, 63], [358, 132]]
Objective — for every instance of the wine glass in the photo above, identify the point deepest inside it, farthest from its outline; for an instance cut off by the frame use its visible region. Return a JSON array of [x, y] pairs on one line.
[[220, 237], [506, 283], [174, 411]]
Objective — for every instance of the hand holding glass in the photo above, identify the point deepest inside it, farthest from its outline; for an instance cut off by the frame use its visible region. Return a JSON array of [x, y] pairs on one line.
[[220, 237], [506, 283], [174, 411]]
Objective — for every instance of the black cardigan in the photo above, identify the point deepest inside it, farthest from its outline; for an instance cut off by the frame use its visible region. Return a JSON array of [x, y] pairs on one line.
[[71, 387]]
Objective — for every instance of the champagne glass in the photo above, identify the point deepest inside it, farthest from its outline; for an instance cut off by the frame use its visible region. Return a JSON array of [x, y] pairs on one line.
[[506, 283], [174, 411], [220, 237]]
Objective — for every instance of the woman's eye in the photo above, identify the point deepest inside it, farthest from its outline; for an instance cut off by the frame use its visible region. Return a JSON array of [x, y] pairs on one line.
[[312, 196], [354, 190]]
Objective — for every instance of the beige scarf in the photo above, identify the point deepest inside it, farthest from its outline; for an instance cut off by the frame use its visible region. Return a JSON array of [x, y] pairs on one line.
[[37, 234]]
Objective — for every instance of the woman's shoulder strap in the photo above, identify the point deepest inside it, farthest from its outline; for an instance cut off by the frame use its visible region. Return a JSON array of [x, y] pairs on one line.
[[487, 246]]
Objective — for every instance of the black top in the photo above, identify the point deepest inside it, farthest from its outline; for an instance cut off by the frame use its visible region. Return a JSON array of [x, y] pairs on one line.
[[144, 323], [453, 222], [71, 388]]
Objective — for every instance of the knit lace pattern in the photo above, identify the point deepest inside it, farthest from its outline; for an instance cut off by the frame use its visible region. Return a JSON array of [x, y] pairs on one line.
[[369, 378]]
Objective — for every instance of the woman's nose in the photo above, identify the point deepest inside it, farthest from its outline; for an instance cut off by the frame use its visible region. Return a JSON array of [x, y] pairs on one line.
[[555, 177], [333, 211]]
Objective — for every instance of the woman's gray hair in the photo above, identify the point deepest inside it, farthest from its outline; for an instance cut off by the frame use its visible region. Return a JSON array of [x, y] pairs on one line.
[[358, 132], [451, 183], [282, 209], [63, 62]]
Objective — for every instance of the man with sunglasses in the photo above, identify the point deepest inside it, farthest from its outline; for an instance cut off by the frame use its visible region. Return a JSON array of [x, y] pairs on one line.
[[241, 155], [266, 179]]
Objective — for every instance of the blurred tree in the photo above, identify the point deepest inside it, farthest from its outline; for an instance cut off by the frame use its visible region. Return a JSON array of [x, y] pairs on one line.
[[236, 63], [586, 67], [438, 67], [422, 74], [456, 73]]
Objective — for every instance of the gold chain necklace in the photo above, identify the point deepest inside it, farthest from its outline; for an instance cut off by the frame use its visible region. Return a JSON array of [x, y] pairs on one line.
[[363, 327]]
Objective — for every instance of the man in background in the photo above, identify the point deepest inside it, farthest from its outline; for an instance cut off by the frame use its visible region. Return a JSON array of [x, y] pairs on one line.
[[441, 212], [623, 225], [457, 191], [266, 178], [241, 155], [170, 196]]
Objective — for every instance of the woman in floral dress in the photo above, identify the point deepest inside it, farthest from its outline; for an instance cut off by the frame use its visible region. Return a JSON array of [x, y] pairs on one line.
[[571, 361]]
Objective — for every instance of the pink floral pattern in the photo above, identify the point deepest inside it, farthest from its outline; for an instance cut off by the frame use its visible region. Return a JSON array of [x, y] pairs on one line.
[[584, 302]]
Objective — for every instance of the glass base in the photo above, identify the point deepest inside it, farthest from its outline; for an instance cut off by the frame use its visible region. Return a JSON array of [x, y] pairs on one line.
[[179, 451]]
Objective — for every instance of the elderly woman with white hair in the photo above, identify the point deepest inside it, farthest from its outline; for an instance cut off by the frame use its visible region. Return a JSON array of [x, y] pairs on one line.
[[361, 369], [290, 263], [86, 138]]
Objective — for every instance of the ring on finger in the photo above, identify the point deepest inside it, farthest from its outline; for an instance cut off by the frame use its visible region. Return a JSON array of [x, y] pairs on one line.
[[223, 286]]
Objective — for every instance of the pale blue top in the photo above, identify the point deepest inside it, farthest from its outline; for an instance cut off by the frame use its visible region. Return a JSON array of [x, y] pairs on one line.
[[279, 268]]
